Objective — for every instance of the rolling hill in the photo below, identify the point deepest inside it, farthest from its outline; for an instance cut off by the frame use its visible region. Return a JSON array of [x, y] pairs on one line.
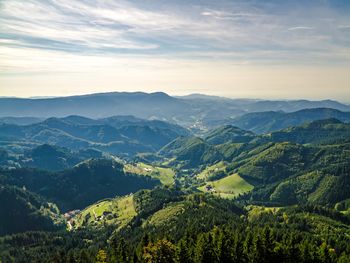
[[51, 158], [317, 132], [229, 134], [190, 152], [286, 173], [228, 187]]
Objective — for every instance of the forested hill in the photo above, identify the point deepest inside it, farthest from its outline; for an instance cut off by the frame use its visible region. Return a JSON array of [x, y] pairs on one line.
[[79, 186], [228, 142], [318, 132], [308, 163], [22, 210], [170, 226]]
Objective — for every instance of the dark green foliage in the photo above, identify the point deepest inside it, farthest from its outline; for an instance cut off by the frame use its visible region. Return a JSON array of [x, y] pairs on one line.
[[275, 163], [288, 174], [330, 131], [229, 134], [52, 158], [191, 152], [80, 186], [57, 247], [22, 210], [4, 158], [149, 201], [303, 234], [199, 212]]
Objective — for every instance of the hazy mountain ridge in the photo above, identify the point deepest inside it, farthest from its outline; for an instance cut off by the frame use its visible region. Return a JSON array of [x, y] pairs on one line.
[[123, 135], [262, 122], [197, 111]]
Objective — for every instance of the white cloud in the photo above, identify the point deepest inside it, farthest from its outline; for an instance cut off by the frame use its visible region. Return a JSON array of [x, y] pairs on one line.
[[300, 28], [344, 26]]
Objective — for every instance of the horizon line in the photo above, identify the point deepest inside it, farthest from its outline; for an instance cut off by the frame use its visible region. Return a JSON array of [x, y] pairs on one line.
[[38, 97]]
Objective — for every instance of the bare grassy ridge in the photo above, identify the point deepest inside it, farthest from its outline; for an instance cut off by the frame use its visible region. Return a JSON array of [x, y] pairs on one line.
[[165, 175], [118, 211], [228, 187]]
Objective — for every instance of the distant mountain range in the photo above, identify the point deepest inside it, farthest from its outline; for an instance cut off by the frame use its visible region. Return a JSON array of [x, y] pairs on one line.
[[125, 135], [196, 111]]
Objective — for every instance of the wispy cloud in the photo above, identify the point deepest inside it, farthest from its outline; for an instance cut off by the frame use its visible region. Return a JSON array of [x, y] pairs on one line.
[[236, 31], [224, 15], [344, 26], [72, 22], [300, 28]]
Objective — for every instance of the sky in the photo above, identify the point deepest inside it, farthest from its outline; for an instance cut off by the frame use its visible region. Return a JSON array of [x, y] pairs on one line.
[[236, 48]]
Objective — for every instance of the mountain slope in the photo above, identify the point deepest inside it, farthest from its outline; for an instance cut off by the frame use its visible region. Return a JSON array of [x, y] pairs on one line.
[[191, 152], [51, 158], [80, 186], [323, 131], [229, 134], [22, 211], [288, 173]]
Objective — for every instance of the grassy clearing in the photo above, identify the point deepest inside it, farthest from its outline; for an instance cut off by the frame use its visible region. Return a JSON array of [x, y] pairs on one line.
[[163, 216], [211, 169], [118, 211], [254, 211], [228, 187], [165, 175], [126, 209]]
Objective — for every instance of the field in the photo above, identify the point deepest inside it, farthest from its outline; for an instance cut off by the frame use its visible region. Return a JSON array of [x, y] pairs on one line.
[[165, 175], [227, 187], [118, 211]]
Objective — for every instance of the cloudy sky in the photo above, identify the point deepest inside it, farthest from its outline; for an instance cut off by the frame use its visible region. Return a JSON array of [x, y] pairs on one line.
[[236, 48]]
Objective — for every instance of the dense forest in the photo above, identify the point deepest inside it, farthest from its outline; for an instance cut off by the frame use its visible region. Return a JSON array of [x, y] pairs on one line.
[[209, 230]]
